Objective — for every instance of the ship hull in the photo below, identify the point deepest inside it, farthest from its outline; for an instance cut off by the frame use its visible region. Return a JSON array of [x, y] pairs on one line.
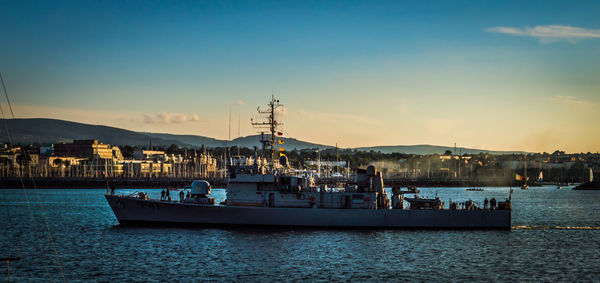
[[131, 210]]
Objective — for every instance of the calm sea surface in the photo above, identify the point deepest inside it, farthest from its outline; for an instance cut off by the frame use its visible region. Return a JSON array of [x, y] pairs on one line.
[[555, 236]]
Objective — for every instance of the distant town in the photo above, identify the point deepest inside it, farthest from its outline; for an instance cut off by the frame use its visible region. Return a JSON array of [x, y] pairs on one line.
[[94, 160]]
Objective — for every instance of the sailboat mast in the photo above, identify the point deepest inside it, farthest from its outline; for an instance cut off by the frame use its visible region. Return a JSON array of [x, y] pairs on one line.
[[525, 173], [238, 137]]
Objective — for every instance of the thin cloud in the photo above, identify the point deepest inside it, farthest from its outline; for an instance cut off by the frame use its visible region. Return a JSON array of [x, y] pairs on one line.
[[170, 118], [328, 117], [240, 102], [571, 99], [550, 33]]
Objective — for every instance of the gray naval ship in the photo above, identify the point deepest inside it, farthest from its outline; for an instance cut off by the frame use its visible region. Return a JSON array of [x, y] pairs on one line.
[[266, 191]]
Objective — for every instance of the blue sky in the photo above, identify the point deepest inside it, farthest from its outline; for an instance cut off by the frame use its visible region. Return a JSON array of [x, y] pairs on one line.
[[514, 75]]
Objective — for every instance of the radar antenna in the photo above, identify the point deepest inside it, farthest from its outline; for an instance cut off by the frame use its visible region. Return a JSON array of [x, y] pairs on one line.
[[269, 124]]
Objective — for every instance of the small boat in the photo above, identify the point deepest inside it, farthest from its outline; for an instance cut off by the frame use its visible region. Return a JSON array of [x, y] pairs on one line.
[[559, 187], [475, 189], [523, 177], [591, 184]]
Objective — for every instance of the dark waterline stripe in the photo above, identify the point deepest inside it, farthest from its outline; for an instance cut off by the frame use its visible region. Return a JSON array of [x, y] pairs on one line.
[[533, 227]]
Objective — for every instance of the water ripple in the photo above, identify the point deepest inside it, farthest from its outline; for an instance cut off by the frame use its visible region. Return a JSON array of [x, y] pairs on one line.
[[93, 247]]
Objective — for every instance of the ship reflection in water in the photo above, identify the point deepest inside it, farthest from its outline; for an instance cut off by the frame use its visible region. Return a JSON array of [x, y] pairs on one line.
[[93, 246]]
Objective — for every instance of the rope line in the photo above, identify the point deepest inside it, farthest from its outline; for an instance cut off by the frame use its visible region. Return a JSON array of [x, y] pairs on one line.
[[23, 186], [14, 235], [7, 100], [48, 229], [33, 183]]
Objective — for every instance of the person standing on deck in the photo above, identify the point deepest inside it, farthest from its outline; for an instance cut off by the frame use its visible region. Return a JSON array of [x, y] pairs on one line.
[[168, 195], [180, 196], [162, 194]]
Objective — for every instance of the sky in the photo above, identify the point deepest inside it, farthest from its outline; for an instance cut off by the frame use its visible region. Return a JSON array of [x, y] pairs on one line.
[[498, 75]]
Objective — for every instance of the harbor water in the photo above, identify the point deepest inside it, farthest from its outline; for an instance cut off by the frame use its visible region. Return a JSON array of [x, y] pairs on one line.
[[555, 236]]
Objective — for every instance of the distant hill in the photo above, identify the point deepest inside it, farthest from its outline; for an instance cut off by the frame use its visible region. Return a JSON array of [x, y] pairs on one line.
[[288, 143], [430, 149], [43, 131], [247, 141], [186, 139]]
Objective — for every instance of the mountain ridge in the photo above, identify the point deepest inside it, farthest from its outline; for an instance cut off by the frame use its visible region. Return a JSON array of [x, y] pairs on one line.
[[46, 130]]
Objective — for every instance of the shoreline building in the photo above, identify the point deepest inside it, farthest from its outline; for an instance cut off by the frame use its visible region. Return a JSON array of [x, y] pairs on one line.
[[86, 158], [17, 161], [157, 163], [84, 149]]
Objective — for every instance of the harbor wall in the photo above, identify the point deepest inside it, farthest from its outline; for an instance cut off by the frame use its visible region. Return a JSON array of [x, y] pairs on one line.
[[217, 182], [73, 183]]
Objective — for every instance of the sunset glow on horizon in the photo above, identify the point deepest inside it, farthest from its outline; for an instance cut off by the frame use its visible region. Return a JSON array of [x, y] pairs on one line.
[[496, 76]]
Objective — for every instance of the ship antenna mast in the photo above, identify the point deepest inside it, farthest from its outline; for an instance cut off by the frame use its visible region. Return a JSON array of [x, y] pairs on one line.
[[271, 124]]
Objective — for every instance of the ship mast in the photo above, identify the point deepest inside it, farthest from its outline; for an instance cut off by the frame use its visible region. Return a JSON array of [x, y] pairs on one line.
[[271, 124]]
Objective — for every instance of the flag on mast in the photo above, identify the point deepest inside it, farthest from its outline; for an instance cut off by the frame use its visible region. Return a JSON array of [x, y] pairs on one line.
[[281, 149], [518, 177]]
